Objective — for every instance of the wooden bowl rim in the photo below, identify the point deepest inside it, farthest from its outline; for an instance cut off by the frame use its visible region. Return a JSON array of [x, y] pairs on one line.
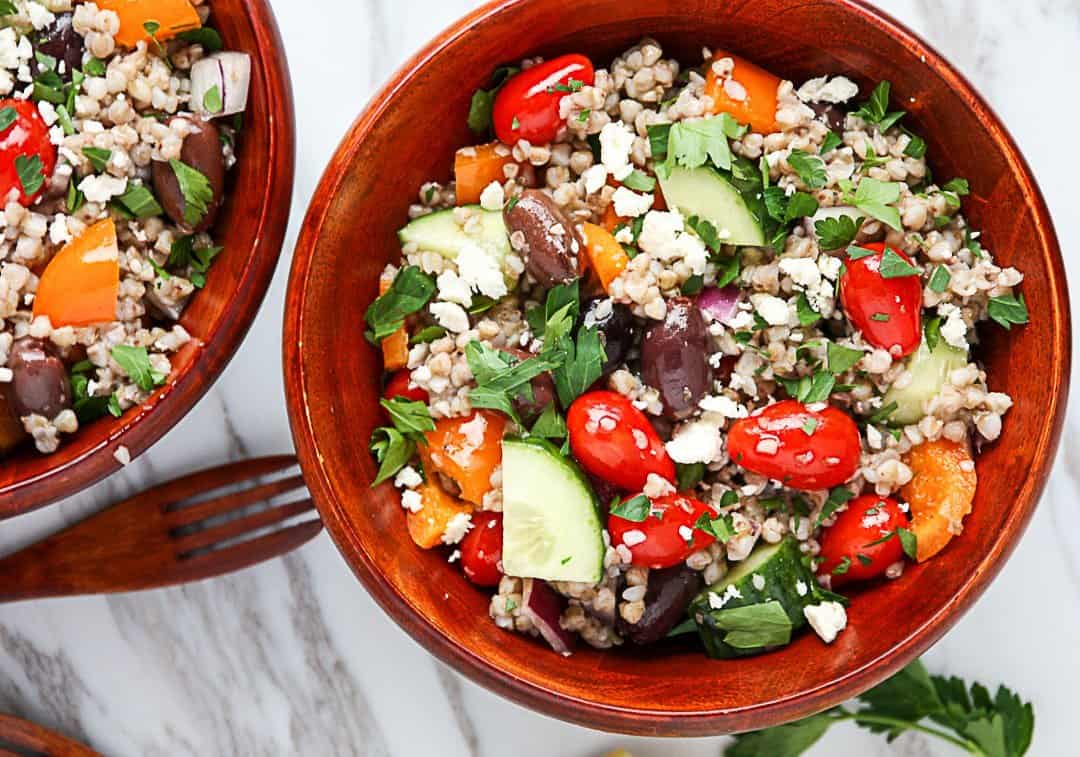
[[641, 721], [141, 427]]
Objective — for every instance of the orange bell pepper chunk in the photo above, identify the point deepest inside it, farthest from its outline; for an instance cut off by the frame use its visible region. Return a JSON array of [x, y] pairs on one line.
[[606, 256], [80, 285], [171, 17], [611, 219], [468, 450], [749, 95], [476, 167], [940, 493], [395, 348], [427, 525]]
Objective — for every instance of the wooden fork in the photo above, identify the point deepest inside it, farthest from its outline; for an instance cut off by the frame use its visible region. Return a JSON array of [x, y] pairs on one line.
[[184, 530]]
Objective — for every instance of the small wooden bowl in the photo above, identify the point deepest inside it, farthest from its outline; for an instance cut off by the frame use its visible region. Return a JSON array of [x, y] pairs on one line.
[[251, 227], [19, 736], [409, 134]]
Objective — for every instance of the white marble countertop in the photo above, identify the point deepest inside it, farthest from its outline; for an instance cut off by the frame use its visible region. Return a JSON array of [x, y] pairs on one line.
[[293, 657]]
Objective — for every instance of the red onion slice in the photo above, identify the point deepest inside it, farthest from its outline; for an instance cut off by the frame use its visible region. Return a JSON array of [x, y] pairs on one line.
[[543, 606], [230, 72], [721, 304]]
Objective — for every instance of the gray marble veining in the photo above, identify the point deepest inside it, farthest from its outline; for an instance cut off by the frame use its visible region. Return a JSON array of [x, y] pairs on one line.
[[293, 658]]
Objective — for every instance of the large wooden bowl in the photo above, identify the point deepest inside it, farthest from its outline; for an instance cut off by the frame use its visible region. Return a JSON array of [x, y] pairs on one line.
[[408, 135], [251, 226]]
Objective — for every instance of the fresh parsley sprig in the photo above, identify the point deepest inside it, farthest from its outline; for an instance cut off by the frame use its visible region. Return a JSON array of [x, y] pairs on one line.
[[876, 109], [964, 715], [394, 446], [483, 100], [692, 144], [410, 291], [837, 233]]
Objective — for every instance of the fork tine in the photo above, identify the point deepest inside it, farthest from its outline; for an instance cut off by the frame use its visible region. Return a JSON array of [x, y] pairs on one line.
[[207, 480], [220, 561], [239, 526], [185, 516]]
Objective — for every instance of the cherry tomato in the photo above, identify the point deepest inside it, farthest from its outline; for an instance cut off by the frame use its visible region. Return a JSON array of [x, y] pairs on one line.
[[848, 548], [26, 137], [481, 549], [527, 106], [667, 536], [613, 440], [888, 311], [398, 386], [802, 448]]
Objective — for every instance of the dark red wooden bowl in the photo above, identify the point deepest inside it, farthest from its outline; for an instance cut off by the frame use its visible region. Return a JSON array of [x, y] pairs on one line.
[[409, 134], [251, 227]]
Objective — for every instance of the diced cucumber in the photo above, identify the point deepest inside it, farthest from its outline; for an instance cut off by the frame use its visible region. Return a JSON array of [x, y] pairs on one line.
[[440, 232], [551, 519], [704, 193], [929, 371], [772, 573]]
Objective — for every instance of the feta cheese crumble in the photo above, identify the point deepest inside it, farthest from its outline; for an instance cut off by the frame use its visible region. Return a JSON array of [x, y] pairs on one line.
[[827, 619]]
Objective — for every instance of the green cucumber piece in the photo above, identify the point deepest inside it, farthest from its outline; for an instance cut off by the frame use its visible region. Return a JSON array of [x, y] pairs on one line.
[[440, 232], [929, 370], [704, 193], [551, 519], [772, 573]]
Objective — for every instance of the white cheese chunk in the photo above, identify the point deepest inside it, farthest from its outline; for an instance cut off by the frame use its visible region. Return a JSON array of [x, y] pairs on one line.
[[827, 619], [616, 141]]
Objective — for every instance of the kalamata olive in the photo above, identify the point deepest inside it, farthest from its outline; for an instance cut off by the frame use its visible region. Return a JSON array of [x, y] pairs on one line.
[[60, 40], [39, 384], [669, 594], [831, 114], [618, 331], [201, 151], [675, 358], [543, 389], [605, 491], [548, 240], [723, 370], [12, 433]]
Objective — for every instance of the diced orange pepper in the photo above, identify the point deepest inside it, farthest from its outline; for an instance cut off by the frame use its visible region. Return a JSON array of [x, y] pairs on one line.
[[940, 493], [468, 450], [80, 285], [171, 17], [606, 256], [395, 348], [476, 167], [749, 95], [428, 524]]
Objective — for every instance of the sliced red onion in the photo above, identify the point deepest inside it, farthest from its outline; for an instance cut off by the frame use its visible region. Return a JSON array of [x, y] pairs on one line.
[[543, 606], [721, 304], [230, 72]]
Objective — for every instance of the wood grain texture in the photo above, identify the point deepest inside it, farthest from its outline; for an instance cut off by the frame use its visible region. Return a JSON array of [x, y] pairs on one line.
[[202, 525], [409, 134], [21, 737], [251, 226]]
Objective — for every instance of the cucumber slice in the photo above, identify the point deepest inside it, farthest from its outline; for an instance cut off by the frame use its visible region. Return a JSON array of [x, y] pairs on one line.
[[929, 370], [551, 520], [772, 573], [440, 232], [704, 193]]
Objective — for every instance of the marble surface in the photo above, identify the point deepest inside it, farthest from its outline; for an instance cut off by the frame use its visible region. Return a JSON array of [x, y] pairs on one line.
[[293, 657]]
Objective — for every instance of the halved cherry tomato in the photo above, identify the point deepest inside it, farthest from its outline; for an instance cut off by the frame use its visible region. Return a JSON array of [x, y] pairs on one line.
[[26, 137], [527, 106], [888, 311], [398, 386], [848, 547], [613, 440], [803, 448], [481, 549], [667, 536]]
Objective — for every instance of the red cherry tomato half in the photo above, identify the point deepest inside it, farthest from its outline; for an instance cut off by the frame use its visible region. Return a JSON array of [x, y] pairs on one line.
[[614, 441], [481, 549], [802, 448], [26, 137], [888, 311], [398, 386], [847, 546], [527, 106], [667, 536]]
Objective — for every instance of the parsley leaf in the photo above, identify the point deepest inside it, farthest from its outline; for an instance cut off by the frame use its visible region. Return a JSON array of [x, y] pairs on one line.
[[196, 190], [932, 329], [550, 424], [753, 626], [831, 142], [895, 267], [842, 359], [31, 175], [98, 157], [721, 528], [836, 233], [639, 181], [427, 334], [392, 450], [8, 116], [212, 100], [876, 109], [483, 100], [811, 168], [875, 198], [583, 366], [408, 416], [788, 740], [135, 362], [939, 279], [636, 509], [689, 475], [410, 291], [957, 186], [837, 497], [1008, 309], [139, 201], [692, 143], [806, 313]]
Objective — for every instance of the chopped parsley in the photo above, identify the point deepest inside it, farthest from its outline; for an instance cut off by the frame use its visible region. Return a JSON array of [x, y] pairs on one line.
[[694, 143], [721, 528], [8, 116], [410, 291], [939, 279], [196, 190], [895, 267], [139, 201], [831, 142], [880, 317], [639, 181], [636, 509], [836, 233], [31, 174], [842, 359], [1007, 310], [135, 362], [875, 198], [811, 168], [212, 100], [876, 109]]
